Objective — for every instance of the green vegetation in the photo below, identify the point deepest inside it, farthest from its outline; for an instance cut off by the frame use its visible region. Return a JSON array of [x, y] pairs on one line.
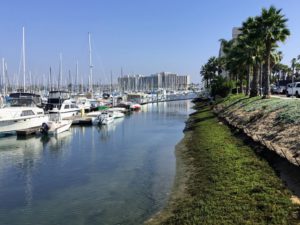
[[287, 111], [227, 182], [251, 53], [221, 87]]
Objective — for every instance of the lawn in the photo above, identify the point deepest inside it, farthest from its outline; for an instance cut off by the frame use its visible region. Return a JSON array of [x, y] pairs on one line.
[[227, 182]]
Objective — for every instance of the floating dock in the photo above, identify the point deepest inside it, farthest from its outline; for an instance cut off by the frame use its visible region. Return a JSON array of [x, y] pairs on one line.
[[27, 132], [79, 120]]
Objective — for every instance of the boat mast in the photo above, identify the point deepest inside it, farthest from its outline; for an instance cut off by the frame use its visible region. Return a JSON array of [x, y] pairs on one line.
[[3, 76], [50, 80], [30, 82], [23, 57], [60, 72], [91, 65], [76, 82]]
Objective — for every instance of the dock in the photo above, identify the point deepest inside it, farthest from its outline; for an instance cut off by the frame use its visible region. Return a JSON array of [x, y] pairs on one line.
[[27, 132], [79, 120]]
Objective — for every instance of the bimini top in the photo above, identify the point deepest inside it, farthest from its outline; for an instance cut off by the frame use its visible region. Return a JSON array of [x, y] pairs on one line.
[[59, 94], [24, 99]]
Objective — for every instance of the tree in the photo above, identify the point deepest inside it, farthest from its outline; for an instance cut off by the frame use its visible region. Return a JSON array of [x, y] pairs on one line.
[[272, 29], [251, 46], [209, 70]]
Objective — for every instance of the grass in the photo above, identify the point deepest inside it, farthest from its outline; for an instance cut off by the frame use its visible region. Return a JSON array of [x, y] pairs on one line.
[[227, 183], [288, 111]]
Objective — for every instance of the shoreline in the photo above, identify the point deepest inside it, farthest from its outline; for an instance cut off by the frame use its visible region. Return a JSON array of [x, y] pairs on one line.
[[180, 182], [181, 207]]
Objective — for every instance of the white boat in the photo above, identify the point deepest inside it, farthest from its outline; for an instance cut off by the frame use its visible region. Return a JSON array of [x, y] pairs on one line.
[[21, 114], [104, 118], [94, 116], [84, 103], [59, 102], [66, 109], [56, 127], [117, 114], [118, 109]]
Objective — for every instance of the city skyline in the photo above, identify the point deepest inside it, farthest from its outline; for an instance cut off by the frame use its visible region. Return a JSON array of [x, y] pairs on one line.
[[139, 37]]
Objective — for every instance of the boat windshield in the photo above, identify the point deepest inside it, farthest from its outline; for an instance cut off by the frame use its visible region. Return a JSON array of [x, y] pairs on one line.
[[58, 94], [16, 102]]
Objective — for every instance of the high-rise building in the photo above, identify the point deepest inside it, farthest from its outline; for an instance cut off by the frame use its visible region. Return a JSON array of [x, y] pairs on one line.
[[162, 80]]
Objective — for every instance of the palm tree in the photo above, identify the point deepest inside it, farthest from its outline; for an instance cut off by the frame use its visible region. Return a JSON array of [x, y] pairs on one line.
[[248, 42], [272, 29], [209, 70]]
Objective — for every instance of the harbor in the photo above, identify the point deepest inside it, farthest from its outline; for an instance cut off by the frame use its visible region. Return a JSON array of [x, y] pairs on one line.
[[90, 174]]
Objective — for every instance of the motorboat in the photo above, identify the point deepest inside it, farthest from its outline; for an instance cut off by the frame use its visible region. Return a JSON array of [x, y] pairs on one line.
[[94, 116], [117, 114], [104, 118], [59, 102], [84, 103], [56, 127], [118, 109], [135, 106], [21, 113]]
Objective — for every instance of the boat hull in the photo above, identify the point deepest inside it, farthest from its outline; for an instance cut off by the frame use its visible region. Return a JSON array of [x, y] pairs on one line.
[[13, 125]]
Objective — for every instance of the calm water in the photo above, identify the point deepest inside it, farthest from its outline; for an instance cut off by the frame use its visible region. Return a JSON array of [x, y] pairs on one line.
[[120, 174]]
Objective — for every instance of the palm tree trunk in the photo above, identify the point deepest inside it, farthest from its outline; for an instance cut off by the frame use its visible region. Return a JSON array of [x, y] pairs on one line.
[[266, 73], [241, 83], [254, 83], [236, 85], [248, 80]]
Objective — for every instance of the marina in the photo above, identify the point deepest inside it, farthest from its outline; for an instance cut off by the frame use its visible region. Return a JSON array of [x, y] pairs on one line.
[[90, 174]]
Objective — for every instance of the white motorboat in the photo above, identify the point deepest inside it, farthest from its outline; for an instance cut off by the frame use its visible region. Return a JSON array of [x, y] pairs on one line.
[[22, 113], [84, 103], [118, 109], [104, 118], [59, 102], [94, 116], [117, 114], [56, 127]]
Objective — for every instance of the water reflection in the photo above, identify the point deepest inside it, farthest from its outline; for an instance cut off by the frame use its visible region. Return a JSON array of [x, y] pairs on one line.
[[91, 174]]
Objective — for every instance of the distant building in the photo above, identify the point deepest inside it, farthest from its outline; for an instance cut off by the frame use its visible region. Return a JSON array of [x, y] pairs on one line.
[[235, 33], [163, 80]]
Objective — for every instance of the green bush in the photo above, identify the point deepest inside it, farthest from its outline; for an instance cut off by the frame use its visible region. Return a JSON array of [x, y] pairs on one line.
[[221, 86]]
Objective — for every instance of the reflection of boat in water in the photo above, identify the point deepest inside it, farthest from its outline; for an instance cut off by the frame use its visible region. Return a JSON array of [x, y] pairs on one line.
[[106, 131], [57, 141], [15, 151]]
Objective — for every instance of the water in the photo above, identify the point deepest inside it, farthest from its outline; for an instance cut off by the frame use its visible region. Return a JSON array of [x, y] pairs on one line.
[[119, 174]]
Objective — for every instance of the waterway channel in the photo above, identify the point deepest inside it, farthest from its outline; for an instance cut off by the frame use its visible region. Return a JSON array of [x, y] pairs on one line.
[[117, 174]]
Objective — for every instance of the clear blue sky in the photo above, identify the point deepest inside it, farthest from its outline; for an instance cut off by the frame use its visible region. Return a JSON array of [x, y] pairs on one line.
[[143, 37]]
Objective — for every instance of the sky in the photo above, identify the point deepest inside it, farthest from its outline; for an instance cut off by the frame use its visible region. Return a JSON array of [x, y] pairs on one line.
[[139, 36]]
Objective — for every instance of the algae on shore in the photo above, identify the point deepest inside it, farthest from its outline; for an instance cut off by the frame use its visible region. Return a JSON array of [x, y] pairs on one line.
[[220, 180]]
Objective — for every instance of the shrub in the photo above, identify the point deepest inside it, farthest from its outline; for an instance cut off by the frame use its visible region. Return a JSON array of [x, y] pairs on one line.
[[221, 86]]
